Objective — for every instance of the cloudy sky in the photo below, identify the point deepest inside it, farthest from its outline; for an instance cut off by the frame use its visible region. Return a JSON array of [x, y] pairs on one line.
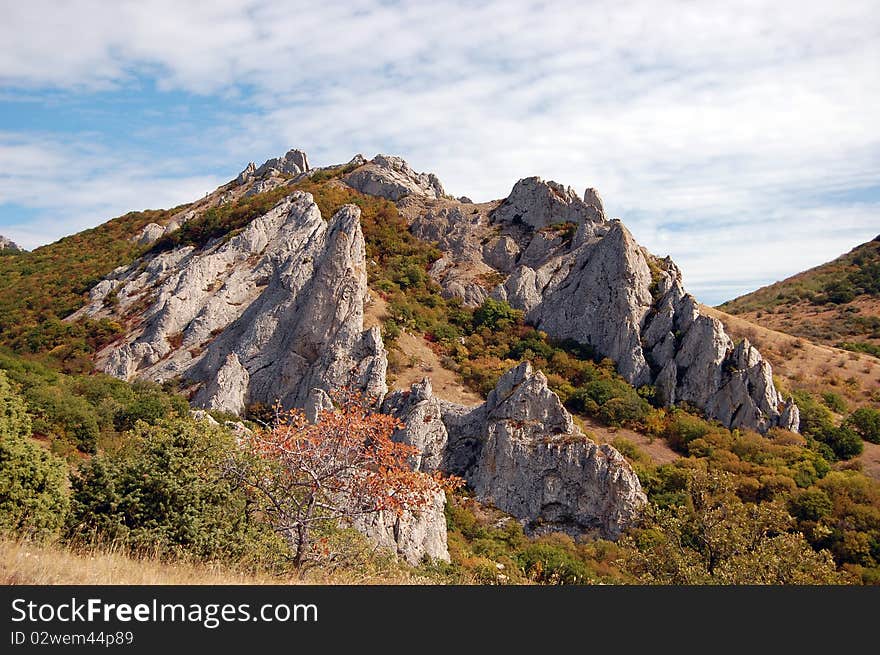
[[740, 138]]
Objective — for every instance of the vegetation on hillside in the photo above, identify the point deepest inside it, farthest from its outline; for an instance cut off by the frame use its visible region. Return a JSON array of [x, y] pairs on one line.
[[857, 273], [835, 303], [139, 467], [41, 287]]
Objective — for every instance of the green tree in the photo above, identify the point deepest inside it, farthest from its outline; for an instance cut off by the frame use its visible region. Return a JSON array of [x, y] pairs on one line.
[[33, 482], [716, 538], [866, 422], [167, 490], [494, 314]]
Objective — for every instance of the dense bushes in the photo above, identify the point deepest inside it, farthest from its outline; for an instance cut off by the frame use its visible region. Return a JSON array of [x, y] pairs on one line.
[[33, 482], [715, 537], [489, 548], [865, 421], [837, 441], [166, 490], [79, 412]]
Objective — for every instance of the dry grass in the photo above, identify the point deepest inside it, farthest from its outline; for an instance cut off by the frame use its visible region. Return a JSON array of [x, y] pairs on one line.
[[419, 361], [801, 364], [25, 562], [654, 447]]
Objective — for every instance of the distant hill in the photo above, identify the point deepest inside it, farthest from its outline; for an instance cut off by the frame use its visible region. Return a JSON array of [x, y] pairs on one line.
[[837, 303]]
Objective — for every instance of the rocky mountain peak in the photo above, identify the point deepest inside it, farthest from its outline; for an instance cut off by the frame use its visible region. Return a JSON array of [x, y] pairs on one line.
[[539, 204], [580, 276], [293, 162], [270, 314], [391, 177], [9, 245]]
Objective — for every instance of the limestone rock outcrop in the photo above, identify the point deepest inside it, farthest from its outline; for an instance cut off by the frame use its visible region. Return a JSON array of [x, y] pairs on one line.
[[578, 275], [414, 536], [247, 174], [292, 163], [269, 314], [522, 452], [422, 412], [9, 245], [392, 178], [539, 204], [148, 234]]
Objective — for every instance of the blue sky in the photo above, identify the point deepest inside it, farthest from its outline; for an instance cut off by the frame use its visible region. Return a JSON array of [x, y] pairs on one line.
[[740, 138]]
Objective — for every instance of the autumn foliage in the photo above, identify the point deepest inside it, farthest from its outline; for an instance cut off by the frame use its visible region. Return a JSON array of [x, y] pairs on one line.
[[345, 465]]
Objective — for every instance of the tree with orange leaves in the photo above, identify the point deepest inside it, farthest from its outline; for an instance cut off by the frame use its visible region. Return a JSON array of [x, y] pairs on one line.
[[345, 465]]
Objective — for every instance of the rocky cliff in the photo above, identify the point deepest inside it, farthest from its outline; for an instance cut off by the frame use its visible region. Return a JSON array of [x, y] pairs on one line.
[[275, 311], [9, 245], [578, 275], [521, 452], [268, 314]]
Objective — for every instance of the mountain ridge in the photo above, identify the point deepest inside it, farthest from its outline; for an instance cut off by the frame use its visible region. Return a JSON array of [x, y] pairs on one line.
[[574, 273]]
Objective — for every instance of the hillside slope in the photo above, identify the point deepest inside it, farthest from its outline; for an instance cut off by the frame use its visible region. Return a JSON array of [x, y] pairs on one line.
[[837, 303]]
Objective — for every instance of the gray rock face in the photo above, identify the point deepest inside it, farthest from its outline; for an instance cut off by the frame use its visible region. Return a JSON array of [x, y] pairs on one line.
[[424, 428], [270, 314], [148, 234], [227, 391], [414, 536], [266, 184], [247, 174], [579, 276], [9, 245], [522, 452], [537, 204], [293, 163], [392, 178], [592, 197]]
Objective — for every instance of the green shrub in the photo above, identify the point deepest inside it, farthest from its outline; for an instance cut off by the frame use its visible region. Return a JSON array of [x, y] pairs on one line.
[[166, 490], [866, 423], [844, 441], [553, 560], [810, 505], [33, 482], [684, 428], [494, 314], [834, 402]]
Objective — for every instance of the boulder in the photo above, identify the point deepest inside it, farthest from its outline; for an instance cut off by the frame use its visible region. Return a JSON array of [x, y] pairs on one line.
[[392, 178]]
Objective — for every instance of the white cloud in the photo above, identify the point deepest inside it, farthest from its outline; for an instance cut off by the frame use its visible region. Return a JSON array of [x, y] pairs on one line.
[[74, 185], [734, 121]]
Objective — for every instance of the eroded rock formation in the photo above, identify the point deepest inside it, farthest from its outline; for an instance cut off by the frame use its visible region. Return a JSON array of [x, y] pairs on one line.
[[580, 276], [521, 452], [392, 178], [9, 245], [269, 314]]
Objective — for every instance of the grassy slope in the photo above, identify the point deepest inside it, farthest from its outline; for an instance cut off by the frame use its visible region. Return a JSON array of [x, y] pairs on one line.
[[25, 562], [41, 287], [836, 303]]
